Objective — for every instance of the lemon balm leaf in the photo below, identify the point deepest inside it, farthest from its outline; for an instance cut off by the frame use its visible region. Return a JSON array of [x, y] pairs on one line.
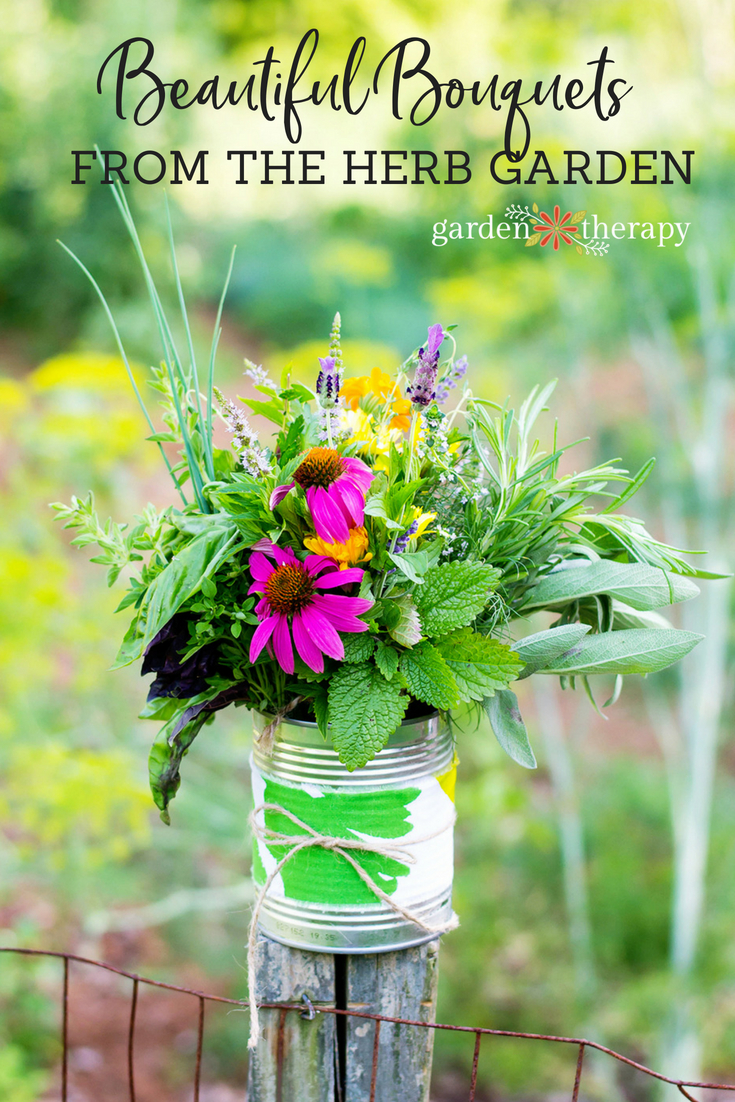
[[453, 594], [364, 710], [480, 664], [429, 677]]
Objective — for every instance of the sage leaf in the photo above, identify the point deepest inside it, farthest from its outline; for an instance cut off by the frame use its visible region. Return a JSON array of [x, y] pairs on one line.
[[634, 650], [508, 727], [626, 617], [541, 648], [640, 586]]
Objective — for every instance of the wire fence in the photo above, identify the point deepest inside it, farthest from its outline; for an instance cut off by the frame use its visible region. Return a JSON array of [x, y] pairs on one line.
[[306, 1009]]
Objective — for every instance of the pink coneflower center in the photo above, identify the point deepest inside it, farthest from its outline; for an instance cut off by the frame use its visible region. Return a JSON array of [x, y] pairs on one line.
[[321, 467], [289, 589]]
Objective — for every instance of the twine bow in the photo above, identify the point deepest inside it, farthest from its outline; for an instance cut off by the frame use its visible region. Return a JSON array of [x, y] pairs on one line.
[[341, 846]]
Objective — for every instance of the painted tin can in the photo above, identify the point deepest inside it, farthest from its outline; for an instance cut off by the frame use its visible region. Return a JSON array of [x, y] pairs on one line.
[[404, 798]]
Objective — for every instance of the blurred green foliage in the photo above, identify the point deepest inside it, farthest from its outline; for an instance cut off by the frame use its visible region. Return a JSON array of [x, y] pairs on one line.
[[67, 422]]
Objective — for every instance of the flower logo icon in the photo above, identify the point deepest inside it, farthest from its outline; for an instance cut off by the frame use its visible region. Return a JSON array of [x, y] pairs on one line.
[[552, 230], [546, 229]]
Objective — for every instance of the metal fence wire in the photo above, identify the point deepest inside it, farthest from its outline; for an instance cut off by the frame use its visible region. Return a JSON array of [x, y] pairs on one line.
[[305, 1009]]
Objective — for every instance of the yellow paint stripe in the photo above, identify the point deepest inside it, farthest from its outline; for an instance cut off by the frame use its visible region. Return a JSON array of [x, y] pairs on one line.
[[448, 780]]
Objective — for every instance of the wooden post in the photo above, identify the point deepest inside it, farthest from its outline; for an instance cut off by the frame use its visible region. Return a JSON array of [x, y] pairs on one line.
[[398, 985], [295, 1058], [330, 1059]]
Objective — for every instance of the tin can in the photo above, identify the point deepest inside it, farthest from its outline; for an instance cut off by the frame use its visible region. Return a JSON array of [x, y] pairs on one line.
[[402, 799]]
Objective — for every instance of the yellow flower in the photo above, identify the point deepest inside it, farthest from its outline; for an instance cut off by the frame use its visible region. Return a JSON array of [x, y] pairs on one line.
[[377, 382], [352, 552], [382, 386], [359, 425], [374, 442], [422, 521], [93, 371], [400, 420], [13, 401]]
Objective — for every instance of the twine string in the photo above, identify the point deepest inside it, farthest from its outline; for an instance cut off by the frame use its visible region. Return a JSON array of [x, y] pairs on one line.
[[267, 736], [342, 847]]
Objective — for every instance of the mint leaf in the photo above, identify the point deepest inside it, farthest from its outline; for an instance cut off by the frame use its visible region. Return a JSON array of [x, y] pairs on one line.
[[453, 594], [480, 664], [376, 505], [428, 677], [386, 659], [364, 711], [358, 646], [404, 625], [508, 727], [209, 588]]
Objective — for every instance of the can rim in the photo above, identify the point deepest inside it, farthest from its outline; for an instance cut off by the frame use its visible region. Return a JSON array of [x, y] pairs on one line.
[[312, 723]]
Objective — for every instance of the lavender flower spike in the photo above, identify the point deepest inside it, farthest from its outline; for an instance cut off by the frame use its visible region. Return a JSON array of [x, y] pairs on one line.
[[423, 390], [449, 382], [328, 381], [435, 338], [402, 541], [328, 386]]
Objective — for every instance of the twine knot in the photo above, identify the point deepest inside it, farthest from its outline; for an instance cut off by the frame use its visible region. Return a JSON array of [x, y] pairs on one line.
[[342, 846]]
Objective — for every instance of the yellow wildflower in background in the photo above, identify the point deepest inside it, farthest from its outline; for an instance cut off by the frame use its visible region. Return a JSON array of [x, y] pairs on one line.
[[73, 803], [85, 411], [13, 401], [352, 552], [91, 371]]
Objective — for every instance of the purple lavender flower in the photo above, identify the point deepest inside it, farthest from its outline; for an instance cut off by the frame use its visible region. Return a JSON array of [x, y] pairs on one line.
[[328, 381], [449, 382], [423, 390], [402, 541]]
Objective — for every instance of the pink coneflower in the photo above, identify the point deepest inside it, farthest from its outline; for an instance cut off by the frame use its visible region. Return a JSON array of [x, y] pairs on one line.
[[294, 590], [335, 487]]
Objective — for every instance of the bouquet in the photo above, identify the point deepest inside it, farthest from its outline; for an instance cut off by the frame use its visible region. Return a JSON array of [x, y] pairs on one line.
[[377, 558]]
